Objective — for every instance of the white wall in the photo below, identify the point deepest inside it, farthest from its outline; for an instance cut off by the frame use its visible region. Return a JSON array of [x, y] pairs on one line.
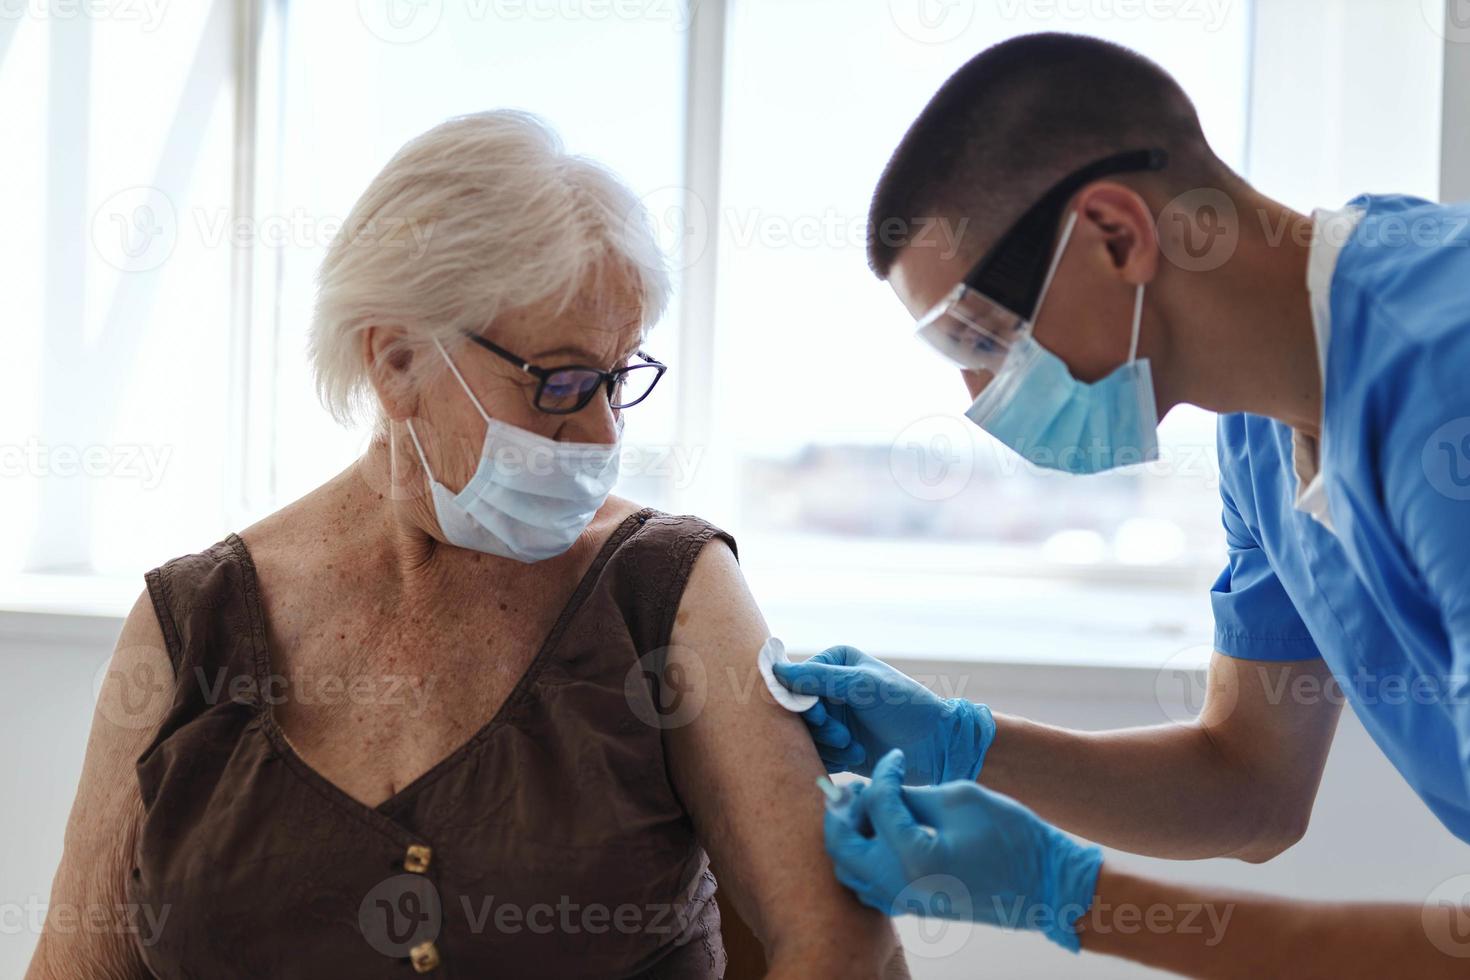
[[1371, 838]]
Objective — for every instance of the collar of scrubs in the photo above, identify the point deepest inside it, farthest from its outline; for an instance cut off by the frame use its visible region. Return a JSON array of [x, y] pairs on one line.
[[1331, 230]]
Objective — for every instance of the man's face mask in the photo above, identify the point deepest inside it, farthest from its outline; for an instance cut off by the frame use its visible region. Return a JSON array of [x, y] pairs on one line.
[[1032, 403]]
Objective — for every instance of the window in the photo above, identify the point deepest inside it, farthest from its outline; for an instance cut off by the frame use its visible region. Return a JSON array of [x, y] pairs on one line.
[[858, 435], [611, 84], [190, 164], [114, 416]]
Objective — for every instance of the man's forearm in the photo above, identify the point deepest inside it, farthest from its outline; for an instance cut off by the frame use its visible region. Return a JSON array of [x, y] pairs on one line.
[[1163, 791], [1216, 935], [1239, 781]]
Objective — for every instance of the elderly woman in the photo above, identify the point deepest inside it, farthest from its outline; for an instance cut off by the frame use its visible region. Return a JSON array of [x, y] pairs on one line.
[[458, 711]]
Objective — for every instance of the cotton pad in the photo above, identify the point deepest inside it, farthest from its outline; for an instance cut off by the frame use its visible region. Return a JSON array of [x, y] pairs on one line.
[[772, 651]]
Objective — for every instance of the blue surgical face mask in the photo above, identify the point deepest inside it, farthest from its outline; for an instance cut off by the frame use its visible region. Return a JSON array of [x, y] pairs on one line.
[[530, 497], [1035, 406]]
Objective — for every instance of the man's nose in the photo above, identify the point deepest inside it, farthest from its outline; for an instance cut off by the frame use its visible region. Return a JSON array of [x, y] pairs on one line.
[[975, 381]]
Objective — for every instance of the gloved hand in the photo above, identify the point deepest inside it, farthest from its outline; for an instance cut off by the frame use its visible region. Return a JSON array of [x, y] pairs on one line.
[[989, 859], [868, 707]]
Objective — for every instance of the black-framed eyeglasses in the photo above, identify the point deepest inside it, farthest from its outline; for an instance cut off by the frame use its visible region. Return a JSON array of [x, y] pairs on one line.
[[571, 387], [994, 306]]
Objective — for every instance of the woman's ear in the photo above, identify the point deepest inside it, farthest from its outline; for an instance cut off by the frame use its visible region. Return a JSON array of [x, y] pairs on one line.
[[1122, 219], [389, 359]]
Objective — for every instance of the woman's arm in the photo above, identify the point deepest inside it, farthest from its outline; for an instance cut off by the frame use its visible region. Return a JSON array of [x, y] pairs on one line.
[[89, 930], [746, 769]]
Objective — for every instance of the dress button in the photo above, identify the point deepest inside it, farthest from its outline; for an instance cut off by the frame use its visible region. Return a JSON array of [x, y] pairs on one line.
[[424, 956], [417, 858]]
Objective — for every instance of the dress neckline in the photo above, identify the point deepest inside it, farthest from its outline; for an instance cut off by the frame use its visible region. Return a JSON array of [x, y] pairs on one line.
[[377, 816]]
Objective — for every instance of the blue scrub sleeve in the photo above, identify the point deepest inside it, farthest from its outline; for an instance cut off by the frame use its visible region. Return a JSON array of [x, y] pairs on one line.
[[1254, 617]]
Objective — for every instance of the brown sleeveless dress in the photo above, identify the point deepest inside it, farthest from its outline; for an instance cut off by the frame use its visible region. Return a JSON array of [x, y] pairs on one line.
[[550, 844]]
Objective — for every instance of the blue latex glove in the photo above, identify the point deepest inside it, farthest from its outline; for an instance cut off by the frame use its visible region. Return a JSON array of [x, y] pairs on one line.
[[988, 859], [868, 707]]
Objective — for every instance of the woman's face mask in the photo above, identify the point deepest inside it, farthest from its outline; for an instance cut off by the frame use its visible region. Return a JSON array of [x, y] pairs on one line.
[[530, 497]]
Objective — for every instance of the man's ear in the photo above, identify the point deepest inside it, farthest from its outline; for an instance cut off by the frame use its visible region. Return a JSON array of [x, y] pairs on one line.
[[389, 359], [1121, 218]]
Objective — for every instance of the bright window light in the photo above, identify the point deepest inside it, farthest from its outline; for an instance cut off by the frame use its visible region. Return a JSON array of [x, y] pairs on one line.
[[842, 425]]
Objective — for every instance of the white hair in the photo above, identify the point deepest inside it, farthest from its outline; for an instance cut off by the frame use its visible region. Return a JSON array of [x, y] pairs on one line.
[[482, 215]]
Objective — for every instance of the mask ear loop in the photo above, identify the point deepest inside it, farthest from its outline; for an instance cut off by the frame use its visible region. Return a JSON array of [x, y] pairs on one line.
[[473, 400], [423, 460], [462, 383], [1137, 324]]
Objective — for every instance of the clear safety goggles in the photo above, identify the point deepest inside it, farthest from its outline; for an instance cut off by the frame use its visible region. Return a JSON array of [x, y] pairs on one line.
[[971, 330], [992, 309]]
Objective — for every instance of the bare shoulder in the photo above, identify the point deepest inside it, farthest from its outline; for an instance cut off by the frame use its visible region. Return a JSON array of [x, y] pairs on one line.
[[137, 685], [717, 602], [293, 536]]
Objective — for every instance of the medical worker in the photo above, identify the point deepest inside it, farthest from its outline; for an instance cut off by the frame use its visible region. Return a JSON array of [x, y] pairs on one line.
[[1111, 268]]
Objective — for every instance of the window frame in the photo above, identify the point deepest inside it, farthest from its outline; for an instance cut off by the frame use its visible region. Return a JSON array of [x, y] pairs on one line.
[[258, 73]]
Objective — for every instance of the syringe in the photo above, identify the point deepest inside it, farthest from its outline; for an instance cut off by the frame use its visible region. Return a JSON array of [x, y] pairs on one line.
[[840, 803]]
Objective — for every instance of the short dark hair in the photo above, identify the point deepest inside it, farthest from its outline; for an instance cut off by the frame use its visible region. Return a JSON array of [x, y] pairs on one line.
[[1018, 117]]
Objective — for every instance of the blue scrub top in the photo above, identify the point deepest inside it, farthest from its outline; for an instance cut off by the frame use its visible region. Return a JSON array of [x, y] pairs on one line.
[[1384, 598]]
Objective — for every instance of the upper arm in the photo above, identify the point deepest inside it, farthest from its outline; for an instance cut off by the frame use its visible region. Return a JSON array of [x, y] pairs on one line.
[[746, 770], [1270, 710], [102, 829], [1273, 721]]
